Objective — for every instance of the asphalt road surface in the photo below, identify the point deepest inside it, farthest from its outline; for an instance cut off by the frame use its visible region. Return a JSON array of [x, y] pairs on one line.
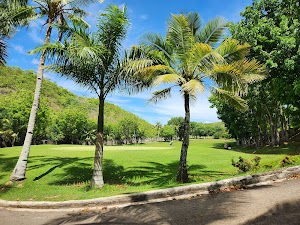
[[278, 203]]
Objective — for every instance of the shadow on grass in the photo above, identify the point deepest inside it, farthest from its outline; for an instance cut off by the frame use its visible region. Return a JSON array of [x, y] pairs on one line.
[[154, 173], [6, 167], [157, 174], [7, 164], [289, 149], [81, 172]]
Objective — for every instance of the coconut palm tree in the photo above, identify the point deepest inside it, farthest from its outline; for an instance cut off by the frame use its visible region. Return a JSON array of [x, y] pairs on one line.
[[93, 60], [190, 55], [54, 11]]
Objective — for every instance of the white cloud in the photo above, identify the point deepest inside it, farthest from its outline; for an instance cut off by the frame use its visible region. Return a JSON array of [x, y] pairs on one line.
[[35, 36], [35, 62], [144, 17], [19, 49]]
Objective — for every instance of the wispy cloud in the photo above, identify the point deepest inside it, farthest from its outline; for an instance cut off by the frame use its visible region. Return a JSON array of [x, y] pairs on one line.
[[143, 17], [35, 62], [19, 49], [35, 36]]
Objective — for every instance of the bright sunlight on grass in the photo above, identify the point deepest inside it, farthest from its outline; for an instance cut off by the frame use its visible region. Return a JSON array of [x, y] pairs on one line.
[[63, 172]]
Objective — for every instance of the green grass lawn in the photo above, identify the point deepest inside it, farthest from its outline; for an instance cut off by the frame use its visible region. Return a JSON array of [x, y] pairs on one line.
[[63, 172]]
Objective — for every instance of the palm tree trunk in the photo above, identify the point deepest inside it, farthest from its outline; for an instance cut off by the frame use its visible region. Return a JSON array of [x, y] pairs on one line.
[[182, 176], [20, 168], [97, 179]]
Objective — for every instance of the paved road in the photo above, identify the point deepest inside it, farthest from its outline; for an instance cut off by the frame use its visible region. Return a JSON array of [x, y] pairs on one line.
[[278, 203]]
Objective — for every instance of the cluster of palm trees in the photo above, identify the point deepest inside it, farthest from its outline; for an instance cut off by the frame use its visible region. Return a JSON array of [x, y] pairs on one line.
[[188, 56]]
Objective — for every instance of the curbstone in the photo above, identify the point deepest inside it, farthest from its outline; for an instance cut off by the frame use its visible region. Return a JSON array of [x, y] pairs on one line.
[[159, 195]]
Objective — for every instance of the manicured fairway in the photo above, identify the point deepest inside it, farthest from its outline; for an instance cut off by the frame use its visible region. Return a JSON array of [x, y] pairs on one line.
[[63, 172]]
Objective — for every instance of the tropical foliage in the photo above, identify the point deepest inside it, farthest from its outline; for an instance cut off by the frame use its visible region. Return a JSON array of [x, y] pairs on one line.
[[272, 28]]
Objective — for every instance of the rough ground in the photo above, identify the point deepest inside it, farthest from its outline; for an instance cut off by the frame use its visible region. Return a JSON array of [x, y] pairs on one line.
[[277, 203]]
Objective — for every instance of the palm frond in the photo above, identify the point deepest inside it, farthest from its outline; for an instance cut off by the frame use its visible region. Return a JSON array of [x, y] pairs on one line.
[[233, 50], [251, 70], [131, 67], [160, 95], [228, 77], [157, 70], [78, 3], [212, 32], [194, 21], [235, 77], [3, 51], [169, 78], [155, 42], [193, 87], [180, 36], [230, 98]]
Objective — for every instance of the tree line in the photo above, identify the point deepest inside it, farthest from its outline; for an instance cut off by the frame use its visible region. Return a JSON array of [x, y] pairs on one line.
[[174, 130], [63, 117]]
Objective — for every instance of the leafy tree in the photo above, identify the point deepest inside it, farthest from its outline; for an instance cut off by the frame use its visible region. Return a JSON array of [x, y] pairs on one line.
[[186, 57], [73, 125], [93, 60], [272, 29], [178, 124], [168, 132], [54, 11]]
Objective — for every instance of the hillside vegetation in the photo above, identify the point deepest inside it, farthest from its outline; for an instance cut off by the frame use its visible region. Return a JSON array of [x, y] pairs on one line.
[[61, 112]]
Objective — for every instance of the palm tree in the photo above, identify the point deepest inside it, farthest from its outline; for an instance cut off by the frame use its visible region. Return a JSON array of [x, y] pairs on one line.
[[54, 11], [158, 127], [186, 58], [92, 60]]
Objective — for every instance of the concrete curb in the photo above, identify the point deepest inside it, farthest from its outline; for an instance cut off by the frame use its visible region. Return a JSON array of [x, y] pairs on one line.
[[159, 195]]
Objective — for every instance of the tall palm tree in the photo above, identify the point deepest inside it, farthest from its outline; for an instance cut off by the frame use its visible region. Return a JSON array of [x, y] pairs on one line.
[[93, 60], [54, 11], [158, 127], [187, 57]]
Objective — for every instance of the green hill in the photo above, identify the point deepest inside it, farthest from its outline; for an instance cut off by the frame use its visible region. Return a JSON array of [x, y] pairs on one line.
[[17, 90]]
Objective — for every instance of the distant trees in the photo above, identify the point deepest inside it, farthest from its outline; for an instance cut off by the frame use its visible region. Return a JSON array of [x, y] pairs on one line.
[[62, 114]]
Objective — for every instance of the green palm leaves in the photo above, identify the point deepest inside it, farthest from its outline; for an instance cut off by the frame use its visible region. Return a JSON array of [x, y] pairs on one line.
[[188, 55]]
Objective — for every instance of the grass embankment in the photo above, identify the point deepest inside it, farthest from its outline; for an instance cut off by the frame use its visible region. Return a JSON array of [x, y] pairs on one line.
[[63, 172]]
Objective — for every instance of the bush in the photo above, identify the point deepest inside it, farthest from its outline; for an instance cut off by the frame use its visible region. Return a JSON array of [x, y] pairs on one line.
[[244, 165], [287, 161]]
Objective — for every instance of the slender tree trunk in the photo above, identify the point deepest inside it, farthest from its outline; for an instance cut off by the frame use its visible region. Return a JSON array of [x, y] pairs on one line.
[[97, 179], [182, 176], [20, 168]]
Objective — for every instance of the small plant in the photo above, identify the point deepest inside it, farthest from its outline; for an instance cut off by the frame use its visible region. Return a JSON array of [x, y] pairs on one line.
[[287, 161], [244, 165]]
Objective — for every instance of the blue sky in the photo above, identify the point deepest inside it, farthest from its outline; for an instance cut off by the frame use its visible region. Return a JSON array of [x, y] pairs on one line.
[[145, 16]]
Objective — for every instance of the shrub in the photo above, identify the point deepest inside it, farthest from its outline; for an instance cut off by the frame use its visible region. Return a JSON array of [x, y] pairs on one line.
[[287, 161], [244, 165]]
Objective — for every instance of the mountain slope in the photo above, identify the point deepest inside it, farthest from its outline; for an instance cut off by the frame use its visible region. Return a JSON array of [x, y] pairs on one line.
[[17, 90]]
